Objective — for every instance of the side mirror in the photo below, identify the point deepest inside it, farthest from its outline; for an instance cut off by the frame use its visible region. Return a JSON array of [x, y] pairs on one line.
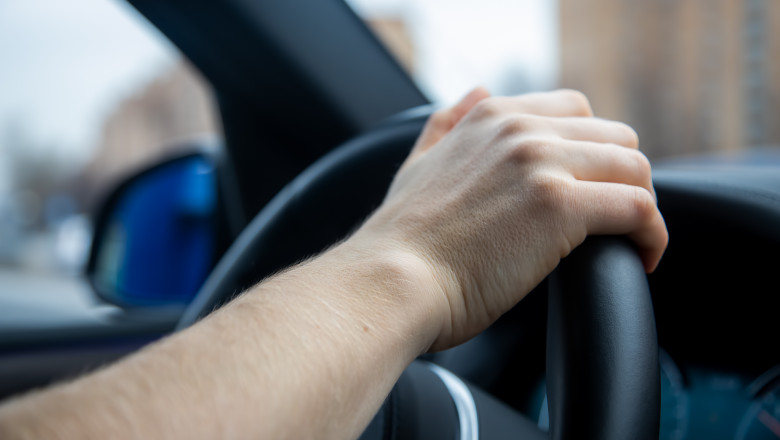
[[155, 236]]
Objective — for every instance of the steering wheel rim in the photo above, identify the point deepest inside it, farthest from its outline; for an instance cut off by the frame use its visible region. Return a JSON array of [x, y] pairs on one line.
[[290, 228], [603, 374], [265, 246]]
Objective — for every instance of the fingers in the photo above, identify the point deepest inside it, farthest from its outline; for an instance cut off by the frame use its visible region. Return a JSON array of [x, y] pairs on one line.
[[443, 120], [559, 103], [615, 209], [598, 162], [614, 193], [466, 104], [575, 129], [557, 130], [595, 130]]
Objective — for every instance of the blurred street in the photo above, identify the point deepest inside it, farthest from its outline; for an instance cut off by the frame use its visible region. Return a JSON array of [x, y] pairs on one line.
[[27, 294]]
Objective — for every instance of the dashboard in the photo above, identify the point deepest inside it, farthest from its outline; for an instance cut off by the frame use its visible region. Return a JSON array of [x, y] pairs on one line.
[[715, 302], [698, 402], [703, 403]]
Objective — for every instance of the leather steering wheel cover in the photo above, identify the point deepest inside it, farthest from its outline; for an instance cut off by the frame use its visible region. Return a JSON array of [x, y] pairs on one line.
[[603, 375]]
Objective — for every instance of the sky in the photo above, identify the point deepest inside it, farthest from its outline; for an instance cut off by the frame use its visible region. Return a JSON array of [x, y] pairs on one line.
[[65, 64], [509, 46]]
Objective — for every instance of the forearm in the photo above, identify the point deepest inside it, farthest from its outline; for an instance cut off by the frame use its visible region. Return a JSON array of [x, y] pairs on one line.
[[309, 353]]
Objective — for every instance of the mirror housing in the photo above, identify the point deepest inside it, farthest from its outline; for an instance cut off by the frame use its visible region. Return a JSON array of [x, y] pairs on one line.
[[156, 236]]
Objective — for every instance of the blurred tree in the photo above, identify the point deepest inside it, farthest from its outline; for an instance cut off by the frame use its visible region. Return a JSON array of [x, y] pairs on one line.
[[35, 172]]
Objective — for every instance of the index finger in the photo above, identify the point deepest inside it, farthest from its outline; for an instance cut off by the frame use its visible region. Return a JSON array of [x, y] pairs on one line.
[[563, 102]]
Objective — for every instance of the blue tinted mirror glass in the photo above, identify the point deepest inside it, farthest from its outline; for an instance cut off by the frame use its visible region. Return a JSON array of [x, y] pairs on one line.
[[157, 243]]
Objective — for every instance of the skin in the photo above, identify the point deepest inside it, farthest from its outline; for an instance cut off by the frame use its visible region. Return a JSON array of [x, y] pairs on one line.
[[495, 192]]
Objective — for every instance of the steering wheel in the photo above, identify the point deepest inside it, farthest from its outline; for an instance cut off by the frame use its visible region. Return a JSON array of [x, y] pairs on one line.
[[603, 376]]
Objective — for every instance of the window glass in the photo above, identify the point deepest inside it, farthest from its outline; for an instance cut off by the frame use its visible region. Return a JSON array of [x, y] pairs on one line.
[[90, 91], [449, 46], [691, 77]]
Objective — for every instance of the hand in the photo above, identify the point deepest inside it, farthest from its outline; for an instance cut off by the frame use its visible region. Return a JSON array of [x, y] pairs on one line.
[[443, 121], [492, 205]]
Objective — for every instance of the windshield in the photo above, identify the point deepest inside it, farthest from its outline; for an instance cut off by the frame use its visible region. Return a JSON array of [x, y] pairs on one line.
[[691, 77], [89, 92]]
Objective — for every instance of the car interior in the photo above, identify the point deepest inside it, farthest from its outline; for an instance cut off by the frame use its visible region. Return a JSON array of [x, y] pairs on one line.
[[317, 117]]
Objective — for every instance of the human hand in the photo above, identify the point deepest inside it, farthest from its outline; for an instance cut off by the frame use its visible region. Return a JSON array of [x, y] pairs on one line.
[[442, 121], [492, 205]]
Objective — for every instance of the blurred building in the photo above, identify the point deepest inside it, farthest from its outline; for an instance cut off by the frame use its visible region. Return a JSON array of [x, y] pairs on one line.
[[171, 109], [146, 125], [394, 33], [689, 75]]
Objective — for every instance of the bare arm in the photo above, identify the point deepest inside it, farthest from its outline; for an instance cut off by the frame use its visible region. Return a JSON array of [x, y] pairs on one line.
[[303, 355], [494, 194]]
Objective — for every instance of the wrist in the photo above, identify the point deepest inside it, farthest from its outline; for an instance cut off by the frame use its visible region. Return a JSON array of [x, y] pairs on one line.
[[400, 288]]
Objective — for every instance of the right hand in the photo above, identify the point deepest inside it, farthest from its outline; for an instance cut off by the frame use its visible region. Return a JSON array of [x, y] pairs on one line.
[[493, 206]]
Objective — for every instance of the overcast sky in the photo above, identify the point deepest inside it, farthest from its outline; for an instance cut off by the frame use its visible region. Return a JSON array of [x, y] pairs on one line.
[[66, 63], [510, 46]]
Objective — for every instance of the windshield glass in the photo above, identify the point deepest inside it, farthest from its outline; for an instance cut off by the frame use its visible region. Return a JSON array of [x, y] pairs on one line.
[[691, 77], [89, 92]]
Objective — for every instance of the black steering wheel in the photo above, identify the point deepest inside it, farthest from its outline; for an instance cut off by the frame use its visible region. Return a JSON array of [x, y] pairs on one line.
[[602, 353]]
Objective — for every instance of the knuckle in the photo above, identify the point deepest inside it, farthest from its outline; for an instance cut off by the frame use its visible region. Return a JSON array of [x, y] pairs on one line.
[[643, 203], [488, 107], [642, 167], [553, 191], [580, 102], [663, 238], [529, 150], [515, 125], [630, 135], [440, 119], [439, 116]]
